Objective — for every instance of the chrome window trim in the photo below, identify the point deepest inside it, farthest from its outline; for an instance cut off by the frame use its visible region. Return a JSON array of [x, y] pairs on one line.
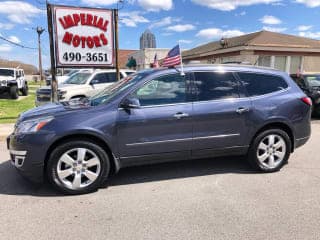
[[183, 139], [219, 100]]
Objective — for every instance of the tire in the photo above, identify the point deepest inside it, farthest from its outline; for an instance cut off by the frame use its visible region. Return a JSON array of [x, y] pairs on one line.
[[315, 111], [25, 90], [267, 157], [13, 92], [65, 170]]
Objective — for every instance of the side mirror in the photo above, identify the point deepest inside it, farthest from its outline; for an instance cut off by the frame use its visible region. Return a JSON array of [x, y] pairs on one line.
[[94, 81], [130, 103]]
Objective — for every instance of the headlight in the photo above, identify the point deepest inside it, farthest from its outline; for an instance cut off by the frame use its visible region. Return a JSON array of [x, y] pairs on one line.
[[33, 125], [61, 94]]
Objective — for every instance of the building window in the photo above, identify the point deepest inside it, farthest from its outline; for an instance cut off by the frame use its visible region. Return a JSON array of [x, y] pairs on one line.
[[280, 62], [264, 61], [295, 64]]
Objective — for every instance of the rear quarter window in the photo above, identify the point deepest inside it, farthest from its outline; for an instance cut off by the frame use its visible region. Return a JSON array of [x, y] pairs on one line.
[[260, 84]]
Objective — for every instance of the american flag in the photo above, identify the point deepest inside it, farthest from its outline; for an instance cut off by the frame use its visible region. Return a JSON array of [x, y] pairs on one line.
[[173, 58]]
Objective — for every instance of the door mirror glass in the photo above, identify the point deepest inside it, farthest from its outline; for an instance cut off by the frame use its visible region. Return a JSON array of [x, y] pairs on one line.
[[130, 103], [94, 81]]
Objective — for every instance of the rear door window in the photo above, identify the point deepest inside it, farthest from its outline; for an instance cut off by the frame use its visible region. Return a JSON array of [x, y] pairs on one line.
[[216, 86], [260, 84]]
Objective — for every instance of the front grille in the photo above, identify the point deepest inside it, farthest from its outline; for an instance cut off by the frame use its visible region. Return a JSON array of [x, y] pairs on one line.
[[42, 98], [44, 95]]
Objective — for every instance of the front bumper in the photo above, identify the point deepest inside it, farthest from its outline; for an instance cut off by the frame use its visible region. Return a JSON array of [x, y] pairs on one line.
[[28, 153]]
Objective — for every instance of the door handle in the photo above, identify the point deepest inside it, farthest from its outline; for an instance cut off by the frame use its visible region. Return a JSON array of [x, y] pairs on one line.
[[242, 110], [180, 115]]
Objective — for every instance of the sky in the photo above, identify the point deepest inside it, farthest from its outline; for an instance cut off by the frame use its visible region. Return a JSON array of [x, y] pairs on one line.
[[193, 22]]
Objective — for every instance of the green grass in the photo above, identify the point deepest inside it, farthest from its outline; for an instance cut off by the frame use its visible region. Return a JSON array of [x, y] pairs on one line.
[[10, 109]]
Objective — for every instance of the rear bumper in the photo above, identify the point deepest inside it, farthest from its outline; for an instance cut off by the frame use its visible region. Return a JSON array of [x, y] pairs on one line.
[[301, 141]]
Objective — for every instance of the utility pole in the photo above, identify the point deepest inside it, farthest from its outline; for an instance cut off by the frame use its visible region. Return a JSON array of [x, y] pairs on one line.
[[40, 30], [116, 17]]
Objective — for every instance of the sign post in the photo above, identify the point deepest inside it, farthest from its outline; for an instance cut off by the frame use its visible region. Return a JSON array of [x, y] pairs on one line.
[[82, 38], [54, 85]]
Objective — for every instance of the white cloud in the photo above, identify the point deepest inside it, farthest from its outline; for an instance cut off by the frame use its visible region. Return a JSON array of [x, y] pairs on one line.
[[181, 28], [216, 33], [131, 19], [274, 29], [6, 26], [310, 3], [166, 34], [99, 2], [184, 41], [271, 20], [19, 11], [5, 48], [243, 13], [14, 39], [164, 22], [303, 28], [314, 35], [156, 5], [228, 5]]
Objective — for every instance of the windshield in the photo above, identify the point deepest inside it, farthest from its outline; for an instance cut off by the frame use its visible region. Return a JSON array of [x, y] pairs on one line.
[[72, 72], [6, 72], [313, 81], [78, 78], [115, 89]]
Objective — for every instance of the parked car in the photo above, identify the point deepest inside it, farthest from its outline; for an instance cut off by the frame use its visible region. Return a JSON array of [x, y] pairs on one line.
[[84, 83], [61, 79], [161, 115], [12, 81], [310, 84]]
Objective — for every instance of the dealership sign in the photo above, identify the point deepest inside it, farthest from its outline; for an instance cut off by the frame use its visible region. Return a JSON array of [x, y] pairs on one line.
[[83, 37]]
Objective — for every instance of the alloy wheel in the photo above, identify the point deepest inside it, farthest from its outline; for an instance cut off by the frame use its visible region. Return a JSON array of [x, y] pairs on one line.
[[78, 168], [271, 151]]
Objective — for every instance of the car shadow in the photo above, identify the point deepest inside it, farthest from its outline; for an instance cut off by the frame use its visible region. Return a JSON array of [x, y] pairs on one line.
[[5, 96], [12, 183]]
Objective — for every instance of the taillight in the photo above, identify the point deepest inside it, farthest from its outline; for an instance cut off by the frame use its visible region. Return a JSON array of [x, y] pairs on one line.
[[307, 101]]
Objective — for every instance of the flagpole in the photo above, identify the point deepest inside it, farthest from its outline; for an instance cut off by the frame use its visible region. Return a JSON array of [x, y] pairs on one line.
[[182, 71]]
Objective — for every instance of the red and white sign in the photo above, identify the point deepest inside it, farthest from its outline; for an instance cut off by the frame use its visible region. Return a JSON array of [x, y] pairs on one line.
[[83, 37]]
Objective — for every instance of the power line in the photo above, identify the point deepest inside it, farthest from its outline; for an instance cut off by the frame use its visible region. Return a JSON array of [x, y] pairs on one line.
[[16, 44]]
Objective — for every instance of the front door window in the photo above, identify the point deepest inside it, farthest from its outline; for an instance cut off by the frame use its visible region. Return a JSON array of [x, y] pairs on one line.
[[170, 89]]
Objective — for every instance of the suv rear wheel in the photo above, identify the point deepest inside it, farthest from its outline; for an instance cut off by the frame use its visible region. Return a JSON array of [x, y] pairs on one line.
[[270, 150], [24, 90], [78, 167], [13, 92]]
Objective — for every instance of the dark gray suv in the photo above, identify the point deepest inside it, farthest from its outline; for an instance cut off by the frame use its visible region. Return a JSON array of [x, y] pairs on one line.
[[162, 115]]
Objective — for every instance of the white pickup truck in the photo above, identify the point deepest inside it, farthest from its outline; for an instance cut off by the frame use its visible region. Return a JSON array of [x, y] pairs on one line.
[[81, 84], [12, 81]]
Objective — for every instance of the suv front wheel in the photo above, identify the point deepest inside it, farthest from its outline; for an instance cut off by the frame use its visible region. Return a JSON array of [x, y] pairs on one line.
[[270, 150], [78, 167], [13, 92]]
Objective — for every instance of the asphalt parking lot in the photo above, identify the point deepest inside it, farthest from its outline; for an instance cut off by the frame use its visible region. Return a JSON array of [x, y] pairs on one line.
[[203, 199]]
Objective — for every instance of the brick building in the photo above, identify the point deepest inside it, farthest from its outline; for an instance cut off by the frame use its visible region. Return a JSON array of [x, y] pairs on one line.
[[285, 52]]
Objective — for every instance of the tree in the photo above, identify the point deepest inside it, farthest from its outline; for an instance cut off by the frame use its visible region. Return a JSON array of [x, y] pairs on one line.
[[132, 63]]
